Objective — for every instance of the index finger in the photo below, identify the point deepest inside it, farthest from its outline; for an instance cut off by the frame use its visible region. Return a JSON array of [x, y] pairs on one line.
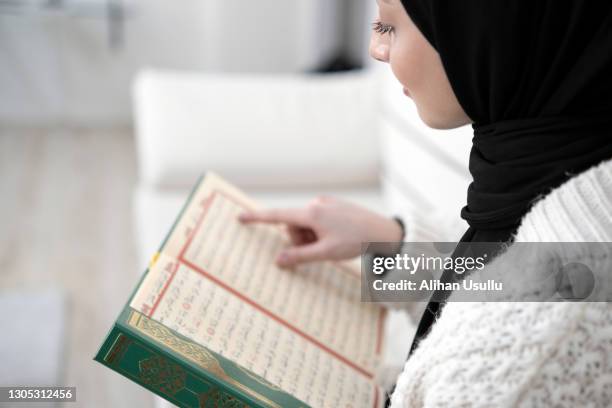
[[294, 216]]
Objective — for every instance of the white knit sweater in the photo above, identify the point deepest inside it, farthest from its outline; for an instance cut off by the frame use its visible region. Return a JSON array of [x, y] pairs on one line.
[[524, 354]]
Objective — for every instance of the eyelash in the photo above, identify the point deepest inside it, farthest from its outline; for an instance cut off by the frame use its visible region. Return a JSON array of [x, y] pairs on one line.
[[381, 28]]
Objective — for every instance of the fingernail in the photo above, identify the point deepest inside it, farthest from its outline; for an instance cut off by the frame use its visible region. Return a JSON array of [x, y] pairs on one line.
[[243, 217]]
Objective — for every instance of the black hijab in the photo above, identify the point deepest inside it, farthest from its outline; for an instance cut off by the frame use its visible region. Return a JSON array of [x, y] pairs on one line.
[[536, 79]]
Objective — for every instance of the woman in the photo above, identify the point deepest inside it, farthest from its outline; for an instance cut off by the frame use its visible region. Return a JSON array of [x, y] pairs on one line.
[[534, 81]]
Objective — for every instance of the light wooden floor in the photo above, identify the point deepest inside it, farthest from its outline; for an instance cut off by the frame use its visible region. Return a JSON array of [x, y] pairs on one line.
[[65, 220]]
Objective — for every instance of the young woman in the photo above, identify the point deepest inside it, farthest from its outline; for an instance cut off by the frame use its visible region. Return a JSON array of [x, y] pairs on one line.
[[533, 79]]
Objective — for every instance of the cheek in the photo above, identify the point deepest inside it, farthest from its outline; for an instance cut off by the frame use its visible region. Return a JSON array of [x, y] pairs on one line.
[[409, 64], [418, 68]]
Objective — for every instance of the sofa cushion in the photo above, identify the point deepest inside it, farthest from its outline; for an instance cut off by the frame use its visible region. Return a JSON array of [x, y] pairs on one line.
[[257, 130]]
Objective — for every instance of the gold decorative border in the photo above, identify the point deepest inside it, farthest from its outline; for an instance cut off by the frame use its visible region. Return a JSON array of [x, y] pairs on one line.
[[191, 351], [117, 349], [131, 375]]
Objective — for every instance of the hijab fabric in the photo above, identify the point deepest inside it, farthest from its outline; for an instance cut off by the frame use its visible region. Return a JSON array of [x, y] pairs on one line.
[[536, 79]]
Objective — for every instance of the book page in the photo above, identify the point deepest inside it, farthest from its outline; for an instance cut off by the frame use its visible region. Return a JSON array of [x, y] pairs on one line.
[[304, 330]]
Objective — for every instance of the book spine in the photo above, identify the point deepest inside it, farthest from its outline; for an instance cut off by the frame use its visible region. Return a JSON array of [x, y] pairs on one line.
[[164, 374]]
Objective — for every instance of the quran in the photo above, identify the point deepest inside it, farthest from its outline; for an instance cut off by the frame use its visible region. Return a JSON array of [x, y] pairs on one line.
[[214, 322]]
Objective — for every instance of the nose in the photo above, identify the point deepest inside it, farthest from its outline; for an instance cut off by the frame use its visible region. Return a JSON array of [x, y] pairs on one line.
[[378, 49]]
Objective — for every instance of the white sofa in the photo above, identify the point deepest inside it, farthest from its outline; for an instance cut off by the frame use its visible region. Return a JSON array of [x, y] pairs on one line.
[[285, 139]]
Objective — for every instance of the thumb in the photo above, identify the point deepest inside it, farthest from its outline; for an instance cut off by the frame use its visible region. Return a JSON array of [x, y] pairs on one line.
[[317, 251]]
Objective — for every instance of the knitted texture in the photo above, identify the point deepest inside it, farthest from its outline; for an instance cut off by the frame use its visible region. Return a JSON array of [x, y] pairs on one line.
[[508, 354]]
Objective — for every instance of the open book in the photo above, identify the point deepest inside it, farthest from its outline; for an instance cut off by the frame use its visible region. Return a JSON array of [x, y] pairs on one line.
[[214, 322]]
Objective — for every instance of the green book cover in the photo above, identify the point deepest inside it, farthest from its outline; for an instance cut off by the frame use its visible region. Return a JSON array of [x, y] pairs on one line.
[[201, 331]]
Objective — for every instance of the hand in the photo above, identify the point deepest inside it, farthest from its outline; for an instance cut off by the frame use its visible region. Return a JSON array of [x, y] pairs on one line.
[[326, 229]]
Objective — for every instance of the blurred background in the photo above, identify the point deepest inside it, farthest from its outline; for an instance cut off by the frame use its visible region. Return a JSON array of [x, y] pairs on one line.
[[111, 109]]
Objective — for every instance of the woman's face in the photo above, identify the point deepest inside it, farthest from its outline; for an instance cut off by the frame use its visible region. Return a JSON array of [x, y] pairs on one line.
[[416, 65]]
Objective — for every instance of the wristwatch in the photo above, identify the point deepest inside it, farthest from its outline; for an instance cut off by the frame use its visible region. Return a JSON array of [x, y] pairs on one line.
[[400, 222]]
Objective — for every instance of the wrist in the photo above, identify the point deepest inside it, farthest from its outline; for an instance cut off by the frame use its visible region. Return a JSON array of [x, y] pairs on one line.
[[382, 228], [391, 230]]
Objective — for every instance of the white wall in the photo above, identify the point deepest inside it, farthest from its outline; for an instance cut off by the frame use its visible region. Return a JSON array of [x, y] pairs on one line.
[[56, 68]]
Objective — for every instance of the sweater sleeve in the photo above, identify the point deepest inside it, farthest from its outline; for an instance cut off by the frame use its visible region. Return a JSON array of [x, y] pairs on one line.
[[483, 354], [508, 354], [544, 354]]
